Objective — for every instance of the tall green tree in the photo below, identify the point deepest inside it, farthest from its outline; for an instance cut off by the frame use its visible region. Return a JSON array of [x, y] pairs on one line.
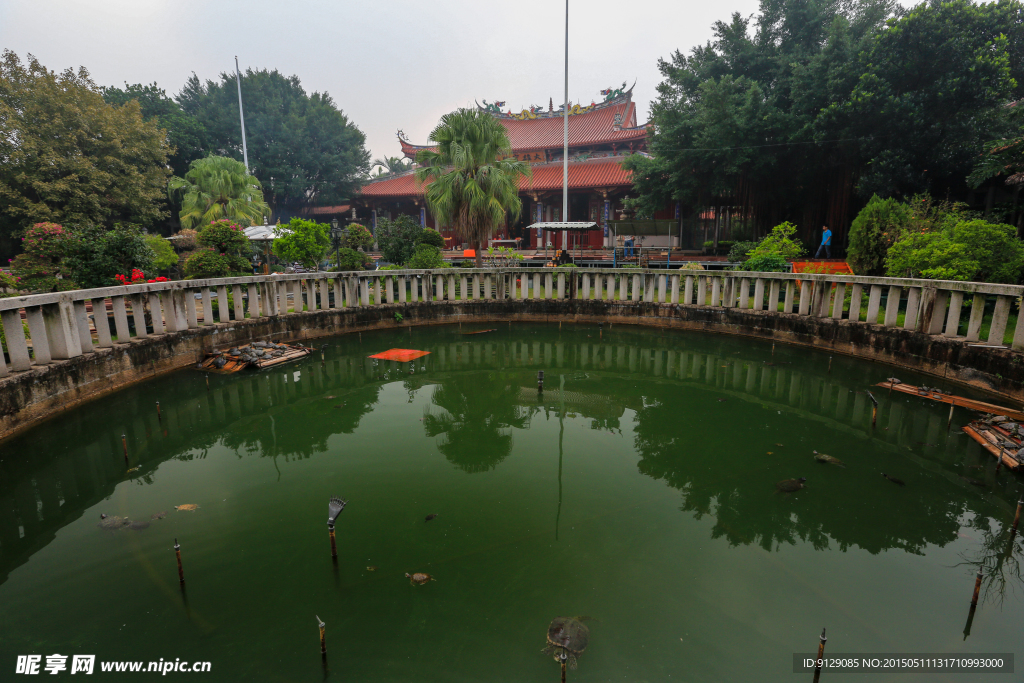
[[68, 157], [185, 134], [804, 111], [474, 185], [303, 148], [215, 188]]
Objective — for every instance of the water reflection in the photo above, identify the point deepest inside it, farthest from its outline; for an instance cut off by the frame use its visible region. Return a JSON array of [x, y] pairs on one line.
[[701, 420], [476, 417]]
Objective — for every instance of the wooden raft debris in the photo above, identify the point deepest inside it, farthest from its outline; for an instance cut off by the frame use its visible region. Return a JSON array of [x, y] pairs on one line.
[[942, 397], [246, 357], [999, 439]]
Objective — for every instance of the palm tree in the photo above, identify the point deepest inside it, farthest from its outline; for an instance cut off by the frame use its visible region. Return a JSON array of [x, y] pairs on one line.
[[474, 182], [218, 187], [391, 165]]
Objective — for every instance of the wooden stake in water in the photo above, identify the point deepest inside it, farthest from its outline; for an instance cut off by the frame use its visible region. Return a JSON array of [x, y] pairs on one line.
[[323, 638], [874, 407], [821, 653], [563, 667], [177, 553], [158, 418], [124, 444], [977, 589], [1016, 520], [830, 365], [540, 381], [207, 382], [949, 422], [773, 349]]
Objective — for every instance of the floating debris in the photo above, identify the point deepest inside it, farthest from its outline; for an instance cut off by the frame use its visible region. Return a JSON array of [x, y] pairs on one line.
[[188, 507], [431, 516], [401, 355], [419, 578], [258, 355], [894, 479], [371, 568]]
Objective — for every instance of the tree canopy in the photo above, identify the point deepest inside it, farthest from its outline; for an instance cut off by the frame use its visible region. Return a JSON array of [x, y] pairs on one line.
[[215, 188], [302, 147], [812, 106], [185, 133], [475, 183], [68, 157]]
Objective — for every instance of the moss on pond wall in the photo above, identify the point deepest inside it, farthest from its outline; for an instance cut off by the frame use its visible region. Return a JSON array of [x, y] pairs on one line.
[[26, 398]]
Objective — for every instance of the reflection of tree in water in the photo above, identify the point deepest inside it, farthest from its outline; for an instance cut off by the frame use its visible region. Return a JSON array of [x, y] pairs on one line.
[[477, 411], [998, 558], [710, 462], [318, 419]]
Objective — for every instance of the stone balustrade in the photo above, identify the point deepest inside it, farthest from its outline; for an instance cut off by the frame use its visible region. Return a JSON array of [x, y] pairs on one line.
[[60, 326]]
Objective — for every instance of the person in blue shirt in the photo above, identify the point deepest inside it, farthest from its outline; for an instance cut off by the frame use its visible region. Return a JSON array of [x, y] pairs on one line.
[[826, 243]]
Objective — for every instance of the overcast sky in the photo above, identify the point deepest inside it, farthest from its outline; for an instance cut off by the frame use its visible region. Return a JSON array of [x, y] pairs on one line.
[[388, 64]]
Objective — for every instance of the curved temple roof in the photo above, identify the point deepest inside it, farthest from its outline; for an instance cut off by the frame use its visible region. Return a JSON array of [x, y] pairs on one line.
[[589, 173], [613, 121]]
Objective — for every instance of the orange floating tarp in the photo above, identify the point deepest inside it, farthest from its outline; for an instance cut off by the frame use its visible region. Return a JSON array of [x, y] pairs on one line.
[[401, 355]]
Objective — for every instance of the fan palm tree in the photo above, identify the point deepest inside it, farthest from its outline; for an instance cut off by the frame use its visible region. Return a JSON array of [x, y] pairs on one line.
[[474, 184], [215, 188]]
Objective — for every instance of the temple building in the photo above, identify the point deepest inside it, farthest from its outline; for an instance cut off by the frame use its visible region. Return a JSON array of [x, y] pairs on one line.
[[601, 135]]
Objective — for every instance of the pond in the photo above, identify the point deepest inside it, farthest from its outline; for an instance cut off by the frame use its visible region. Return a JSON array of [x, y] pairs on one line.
[[639, 489]]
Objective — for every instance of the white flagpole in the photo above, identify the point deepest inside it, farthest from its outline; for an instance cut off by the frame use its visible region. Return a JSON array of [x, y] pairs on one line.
[[241, 113], [565, 129]]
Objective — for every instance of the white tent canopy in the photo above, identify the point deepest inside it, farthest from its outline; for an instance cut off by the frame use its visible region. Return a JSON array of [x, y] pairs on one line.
[[262, 233]]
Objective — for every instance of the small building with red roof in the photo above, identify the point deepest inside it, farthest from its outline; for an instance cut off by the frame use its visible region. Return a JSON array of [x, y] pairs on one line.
[[601, 136]]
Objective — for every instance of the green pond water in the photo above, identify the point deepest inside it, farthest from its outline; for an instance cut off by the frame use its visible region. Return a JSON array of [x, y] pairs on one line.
[[638, 490]]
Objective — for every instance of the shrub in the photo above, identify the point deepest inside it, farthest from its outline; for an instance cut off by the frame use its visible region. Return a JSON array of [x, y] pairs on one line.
[[350, 259], [467, 263], [972, 250], [41, 267], [357, 236], [94, 254], [431, 237], [426, 257], [779, 242], [304, 241], [740, 251], [397, 238], [873, 231], [207, 263], [164, 256], [224, 236], [767, 263]]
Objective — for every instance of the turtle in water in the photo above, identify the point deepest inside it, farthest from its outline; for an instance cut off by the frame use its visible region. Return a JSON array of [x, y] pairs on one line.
[[113, 522], [188, 507], [138, 526], [158, 515], [431, 516], [828, 459], [894, 479], [419, 578], [567, 639], [791, 485]]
